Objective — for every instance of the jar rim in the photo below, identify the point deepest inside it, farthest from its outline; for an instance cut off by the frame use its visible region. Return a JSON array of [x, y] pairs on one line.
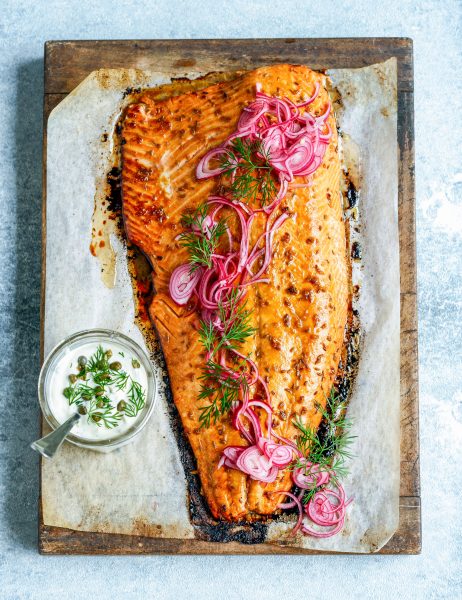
[[102, 335]]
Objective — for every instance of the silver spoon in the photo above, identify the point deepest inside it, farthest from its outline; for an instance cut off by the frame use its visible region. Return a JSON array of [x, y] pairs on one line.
[[49, 444]]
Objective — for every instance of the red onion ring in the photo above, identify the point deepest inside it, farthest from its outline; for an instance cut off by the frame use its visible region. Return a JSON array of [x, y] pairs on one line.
[[295, 502], [183, 283], [325, 513], [255, 464], [203, 171], [309, 476]]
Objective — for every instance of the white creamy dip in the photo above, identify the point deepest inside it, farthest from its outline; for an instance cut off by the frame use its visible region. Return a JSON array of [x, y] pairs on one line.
[[67, 364]]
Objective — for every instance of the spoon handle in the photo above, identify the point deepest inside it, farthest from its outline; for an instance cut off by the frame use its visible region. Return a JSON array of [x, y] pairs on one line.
[[48, 445]]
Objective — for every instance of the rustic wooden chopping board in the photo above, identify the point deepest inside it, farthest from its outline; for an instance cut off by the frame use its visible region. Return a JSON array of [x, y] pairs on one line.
[[68, 63]]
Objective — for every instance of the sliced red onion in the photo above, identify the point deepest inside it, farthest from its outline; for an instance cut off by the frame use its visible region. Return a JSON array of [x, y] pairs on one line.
[[295, 502], [255, 464], [183, 283], [278, 454], [230, 456], [251, 114], [203, 170], [265, 406], [326, 509], [251, 435], [309, 476], [313, 97]]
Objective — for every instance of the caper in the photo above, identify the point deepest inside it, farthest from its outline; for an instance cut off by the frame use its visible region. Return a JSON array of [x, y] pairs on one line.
[[135, 363], [108, 353], [86, 397], [99, 391], [100, 404], [105, 376], [82, 376], [96, 417], [82, 410], [72, 378], [121, 406], [115, 366], [82, 360]]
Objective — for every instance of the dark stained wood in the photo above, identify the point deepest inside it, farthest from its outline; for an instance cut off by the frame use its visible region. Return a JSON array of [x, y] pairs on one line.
[[56, 540], [67, 63]]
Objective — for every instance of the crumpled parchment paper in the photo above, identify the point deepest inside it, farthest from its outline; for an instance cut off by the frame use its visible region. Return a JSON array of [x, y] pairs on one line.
[[141, 488]]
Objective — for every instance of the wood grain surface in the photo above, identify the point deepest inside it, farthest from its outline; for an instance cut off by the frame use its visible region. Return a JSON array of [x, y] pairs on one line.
[[67, 63]]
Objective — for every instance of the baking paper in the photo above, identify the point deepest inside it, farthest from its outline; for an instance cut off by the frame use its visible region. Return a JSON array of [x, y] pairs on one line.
[[141, 488]]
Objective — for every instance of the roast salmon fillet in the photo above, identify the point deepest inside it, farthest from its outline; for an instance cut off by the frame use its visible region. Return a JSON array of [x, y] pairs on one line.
[[299, 316]]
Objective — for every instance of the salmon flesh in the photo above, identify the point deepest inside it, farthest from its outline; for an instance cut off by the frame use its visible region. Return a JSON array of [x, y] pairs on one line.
[[299, 316]]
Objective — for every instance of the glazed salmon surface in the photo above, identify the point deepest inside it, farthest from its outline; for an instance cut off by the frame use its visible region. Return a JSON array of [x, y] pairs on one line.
[[299, 316]]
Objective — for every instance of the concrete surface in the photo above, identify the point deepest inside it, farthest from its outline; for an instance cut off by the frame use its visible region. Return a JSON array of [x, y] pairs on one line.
[[437, 31]]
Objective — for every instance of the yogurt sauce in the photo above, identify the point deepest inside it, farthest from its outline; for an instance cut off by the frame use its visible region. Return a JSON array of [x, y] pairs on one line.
[[67, 364]]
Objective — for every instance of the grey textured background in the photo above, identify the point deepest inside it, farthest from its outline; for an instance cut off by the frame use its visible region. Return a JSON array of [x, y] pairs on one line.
[[437, 31]]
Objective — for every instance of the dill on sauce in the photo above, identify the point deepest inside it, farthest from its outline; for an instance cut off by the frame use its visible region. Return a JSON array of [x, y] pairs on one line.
[[92, 394], [136, 399]]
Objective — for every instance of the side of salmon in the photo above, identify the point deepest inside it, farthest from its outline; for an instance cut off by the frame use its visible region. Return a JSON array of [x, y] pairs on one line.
[[300, 315]]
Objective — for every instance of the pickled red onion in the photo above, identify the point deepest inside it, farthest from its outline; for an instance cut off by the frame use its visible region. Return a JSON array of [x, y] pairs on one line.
[[255, 464], [309, 476], [183, 283], [325, 513]]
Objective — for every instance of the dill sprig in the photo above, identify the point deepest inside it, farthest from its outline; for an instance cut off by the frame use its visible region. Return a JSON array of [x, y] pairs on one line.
[[235, 320], [92, 395], [248, 165], [235, 324], [220, 389], [199, 244], [119, 379], [104, 415], [136, 399], [219, 386], [329, 448], [208, 335], [98, 362]]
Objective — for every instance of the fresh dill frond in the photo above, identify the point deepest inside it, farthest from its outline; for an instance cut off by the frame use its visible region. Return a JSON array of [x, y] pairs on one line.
[[235, 319], [196, 218], [98, 362], [201, 245], [119, 379], [220, 399], [216, 373], [207, 335], [309, 494], [220, 386], [248, 165], [330, 449], [221, 389], [208, 413], [136, 399], [103, 416], [235, 325]]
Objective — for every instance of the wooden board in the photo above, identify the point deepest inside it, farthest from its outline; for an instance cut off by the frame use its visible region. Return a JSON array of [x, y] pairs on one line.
[[68, 63]]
